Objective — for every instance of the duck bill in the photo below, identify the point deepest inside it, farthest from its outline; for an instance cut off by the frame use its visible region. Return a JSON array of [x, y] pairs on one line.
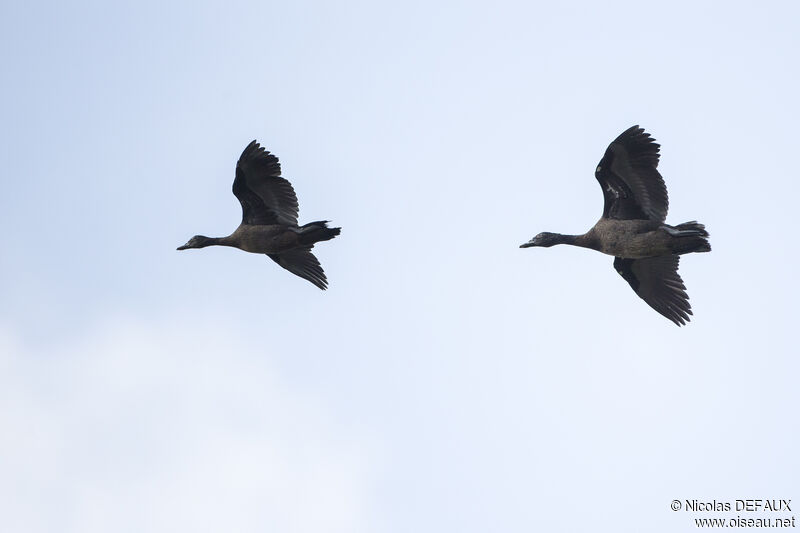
[[527, 244], [184, 247]]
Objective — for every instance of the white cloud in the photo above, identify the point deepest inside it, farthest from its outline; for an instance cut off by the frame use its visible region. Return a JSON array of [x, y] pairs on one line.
[[143, 427]]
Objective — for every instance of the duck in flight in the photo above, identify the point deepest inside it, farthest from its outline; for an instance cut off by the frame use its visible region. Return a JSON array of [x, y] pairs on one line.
[[269, 219], [646, 250]]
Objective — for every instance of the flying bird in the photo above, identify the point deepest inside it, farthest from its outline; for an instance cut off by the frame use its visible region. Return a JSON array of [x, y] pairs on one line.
[[646, 250], [269, 218]]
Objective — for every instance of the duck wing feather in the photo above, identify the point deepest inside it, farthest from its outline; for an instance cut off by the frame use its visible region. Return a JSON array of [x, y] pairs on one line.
[[657, 282], [632, 187], [266, 197]]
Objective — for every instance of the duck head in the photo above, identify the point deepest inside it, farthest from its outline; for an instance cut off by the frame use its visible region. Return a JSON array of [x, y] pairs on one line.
[[198, 241], [544, 239]]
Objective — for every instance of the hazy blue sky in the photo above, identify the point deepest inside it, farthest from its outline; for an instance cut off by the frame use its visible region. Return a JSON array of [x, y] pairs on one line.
[[447, 381]]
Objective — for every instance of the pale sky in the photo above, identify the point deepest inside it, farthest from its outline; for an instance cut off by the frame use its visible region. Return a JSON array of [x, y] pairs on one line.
[[447, 380]]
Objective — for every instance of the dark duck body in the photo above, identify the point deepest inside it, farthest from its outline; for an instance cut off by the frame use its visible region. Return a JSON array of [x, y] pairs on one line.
[[269, 218], [632, 227]]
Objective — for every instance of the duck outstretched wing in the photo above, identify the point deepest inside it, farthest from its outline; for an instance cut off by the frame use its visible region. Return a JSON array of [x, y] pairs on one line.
[[632, 187], [656, 281], [266, 197], [301, 262]]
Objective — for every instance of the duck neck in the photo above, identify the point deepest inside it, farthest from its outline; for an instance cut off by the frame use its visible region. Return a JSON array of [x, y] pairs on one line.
[[566, 239], [584, 241], [213, 241], [221, 241]]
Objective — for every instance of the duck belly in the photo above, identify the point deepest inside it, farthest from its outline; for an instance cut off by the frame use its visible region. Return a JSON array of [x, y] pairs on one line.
[[631, 239], [640, 246], [266, 239]]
